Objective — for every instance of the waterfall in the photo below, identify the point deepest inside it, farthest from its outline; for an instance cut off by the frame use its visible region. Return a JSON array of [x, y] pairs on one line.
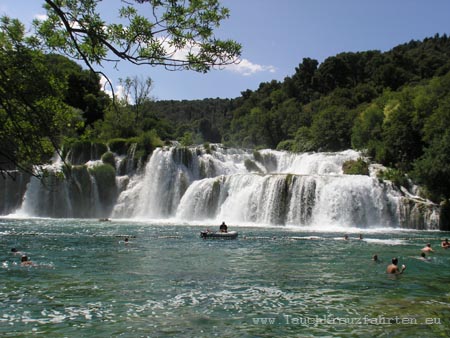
[[130, 158], [13, 185], [95, 196], [291, 199], [216, 184], [264, 187], [170, 171], [68, 192]]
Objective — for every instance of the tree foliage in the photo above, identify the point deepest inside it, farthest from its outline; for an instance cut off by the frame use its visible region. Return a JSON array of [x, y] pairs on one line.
[[33, 113], [46, 97], [393, 105], [174, 34]]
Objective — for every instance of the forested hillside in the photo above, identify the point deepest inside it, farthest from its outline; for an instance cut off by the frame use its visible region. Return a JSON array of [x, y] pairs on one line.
[[393, 105]]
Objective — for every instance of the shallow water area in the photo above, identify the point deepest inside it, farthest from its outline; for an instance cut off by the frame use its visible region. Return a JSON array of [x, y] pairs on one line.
[[168, 282]]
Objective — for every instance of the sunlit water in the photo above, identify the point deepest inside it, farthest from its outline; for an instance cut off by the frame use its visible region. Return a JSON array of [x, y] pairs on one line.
[[167, 282]]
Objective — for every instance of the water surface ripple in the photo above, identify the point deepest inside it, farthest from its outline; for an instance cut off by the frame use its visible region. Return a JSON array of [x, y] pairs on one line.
[[167, 282]]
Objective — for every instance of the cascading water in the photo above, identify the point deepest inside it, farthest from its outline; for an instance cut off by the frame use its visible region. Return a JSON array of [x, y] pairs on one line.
[[67, 193], [13, 185], [266, 187], [216, 184], [170, 171]]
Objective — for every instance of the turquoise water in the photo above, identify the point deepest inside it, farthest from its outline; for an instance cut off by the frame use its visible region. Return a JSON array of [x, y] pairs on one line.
[[167, 282]]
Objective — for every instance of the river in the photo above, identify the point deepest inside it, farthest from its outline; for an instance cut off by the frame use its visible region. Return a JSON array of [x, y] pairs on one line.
[[168, 282]]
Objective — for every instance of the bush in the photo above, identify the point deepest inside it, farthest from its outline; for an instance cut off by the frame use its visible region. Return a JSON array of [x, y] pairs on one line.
[[288, 145], [108, 158], [358, 167], [118, 146], [397, 177], [146, 143], [187, 139], [105, 176], [207, 147]]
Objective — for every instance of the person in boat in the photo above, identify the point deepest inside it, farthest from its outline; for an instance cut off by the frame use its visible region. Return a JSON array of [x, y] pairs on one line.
[[223, 227], [427, 248], [393, 268], [445, 244]]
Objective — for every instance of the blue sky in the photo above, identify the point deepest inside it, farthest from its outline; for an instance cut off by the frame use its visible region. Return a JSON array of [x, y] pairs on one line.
[[277, 35]]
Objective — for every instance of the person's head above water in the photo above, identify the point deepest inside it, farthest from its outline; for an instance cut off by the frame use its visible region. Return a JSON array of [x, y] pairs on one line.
[[395, 261]]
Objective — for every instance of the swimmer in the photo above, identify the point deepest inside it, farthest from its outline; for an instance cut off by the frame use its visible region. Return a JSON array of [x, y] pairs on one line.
[[25, 262], [14, 251], [360, 236], [375, 259], [427, 248], [393, 268], [423, 257], [445, 244], [346, 237]]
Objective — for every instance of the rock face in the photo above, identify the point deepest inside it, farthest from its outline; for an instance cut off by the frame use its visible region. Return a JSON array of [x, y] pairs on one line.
[[217, 183], [12, 189], [418, 214]]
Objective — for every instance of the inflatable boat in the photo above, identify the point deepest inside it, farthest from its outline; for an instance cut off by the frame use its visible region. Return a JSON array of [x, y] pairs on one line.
[[219, 235]]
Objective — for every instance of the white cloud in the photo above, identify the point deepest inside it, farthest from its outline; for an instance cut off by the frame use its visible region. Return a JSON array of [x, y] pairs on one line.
[[244, 67], [41, 17], [106, 86], [247, 68]]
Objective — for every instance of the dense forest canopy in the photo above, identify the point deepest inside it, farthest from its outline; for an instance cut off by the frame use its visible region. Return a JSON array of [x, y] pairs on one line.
[[393, 105], [41, 94]]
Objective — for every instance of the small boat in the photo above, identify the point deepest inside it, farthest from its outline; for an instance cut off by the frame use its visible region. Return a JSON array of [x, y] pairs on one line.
[[219, 235]]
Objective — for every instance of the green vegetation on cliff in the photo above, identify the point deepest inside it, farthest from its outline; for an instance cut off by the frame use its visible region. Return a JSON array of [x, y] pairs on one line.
[[394, 106], [358, 167]]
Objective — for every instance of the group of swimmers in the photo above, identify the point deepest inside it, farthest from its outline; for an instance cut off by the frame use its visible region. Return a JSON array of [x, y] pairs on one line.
[[24, 261], [393, 267]]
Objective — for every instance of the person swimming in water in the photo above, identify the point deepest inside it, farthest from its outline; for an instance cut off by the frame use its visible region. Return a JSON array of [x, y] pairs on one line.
[[393, 268], [25, 262], [423, 257], [427, 248], [445, 244], [14, 251]]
